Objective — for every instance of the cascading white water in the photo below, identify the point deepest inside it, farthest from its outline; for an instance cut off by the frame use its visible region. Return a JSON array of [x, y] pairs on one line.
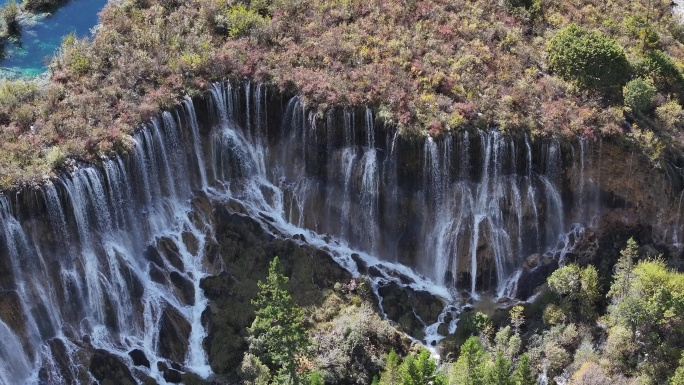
[[82, 272], [462, 211]]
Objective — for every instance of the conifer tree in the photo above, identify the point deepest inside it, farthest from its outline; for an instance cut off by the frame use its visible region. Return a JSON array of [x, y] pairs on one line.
[[391, 376], [623, 271], [468, 369], [499, 372], [523, 373], [277, 335]]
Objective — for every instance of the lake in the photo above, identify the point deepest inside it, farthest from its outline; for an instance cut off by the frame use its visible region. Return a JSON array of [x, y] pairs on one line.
[[41, 36]]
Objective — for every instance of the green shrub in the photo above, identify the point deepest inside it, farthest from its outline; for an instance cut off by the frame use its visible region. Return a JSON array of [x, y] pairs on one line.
[[9, 16], [639, 95], [75, 55], [670, 115], [589, 59], [660, 67], [41, 5], [17, 99], [639, 28], [240, 21]]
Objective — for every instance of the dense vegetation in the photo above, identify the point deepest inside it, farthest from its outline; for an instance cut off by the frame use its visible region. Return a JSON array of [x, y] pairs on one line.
[[426, 66], [628, 333], [580, 331]]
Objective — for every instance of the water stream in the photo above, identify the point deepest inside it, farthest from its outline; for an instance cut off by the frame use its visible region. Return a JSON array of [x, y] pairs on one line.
[[454, 216]]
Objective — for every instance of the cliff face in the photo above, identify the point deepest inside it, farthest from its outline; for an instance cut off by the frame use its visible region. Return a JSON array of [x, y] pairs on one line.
[[109, 264]]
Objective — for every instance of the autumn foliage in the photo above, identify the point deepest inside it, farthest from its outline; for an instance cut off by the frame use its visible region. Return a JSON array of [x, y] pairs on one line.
[[424, 66]]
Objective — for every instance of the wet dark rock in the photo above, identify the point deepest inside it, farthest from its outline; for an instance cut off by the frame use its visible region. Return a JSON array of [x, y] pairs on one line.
[[173, 376], [168, 249], [532, 262], [193, 379], [185, 287], [152, 255], [176, 366], [157, 275], [373, 271], [107, 368], [161, 366], [503, 300], [409, 308], [191, 242], [133, 283], [147, 380], [11, 312], [111, 314], [6, 275], [404, 279], [139, 358], [443, 328], [43, 321], [86, 339], [61, 361], [267, 217], [218, 287], [300, 237], [360, 263], [174, 332], [531, 279]]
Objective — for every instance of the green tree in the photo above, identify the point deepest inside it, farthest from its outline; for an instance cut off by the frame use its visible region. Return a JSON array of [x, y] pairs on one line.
[[277, 335], [499, 372], [420, 370], [622, 275], [577, 288], [253, 372], [639, 95], [523, 373], [589, 59], [678, 377], [517, 318], [391, 376], [468, 368]]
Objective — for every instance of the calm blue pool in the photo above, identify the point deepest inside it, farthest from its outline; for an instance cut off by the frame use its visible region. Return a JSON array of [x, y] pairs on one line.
[[42, 35]]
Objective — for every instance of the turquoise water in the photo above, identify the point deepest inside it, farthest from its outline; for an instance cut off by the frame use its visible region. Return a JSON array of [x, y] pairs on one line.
[[42, 35]]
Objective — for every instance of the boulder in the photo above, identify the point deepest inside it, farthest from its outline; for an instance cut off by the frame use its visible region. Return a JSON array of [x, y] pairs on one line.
[[173, 376], [170, 251], [139, 358], [532, 261], [191, 242], [108, 368], [174, 331], [409, 308], [152, 255], [360, 263], [157, 275], [184, 286]]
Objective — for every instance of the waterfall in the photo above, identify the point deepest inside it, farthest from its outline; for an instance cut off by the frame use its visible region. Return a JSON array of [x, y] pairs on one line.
[[82, 271], [98, 252]]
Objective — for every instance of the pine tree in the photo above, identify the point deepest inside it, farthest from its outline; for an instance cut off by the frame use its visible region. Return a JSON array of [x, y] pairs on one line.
[[468, 368], [523, 373], [517, 318], [277, 335], [623, 271], [391, 376], [678, 377], [409, 371], [499, 373]]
